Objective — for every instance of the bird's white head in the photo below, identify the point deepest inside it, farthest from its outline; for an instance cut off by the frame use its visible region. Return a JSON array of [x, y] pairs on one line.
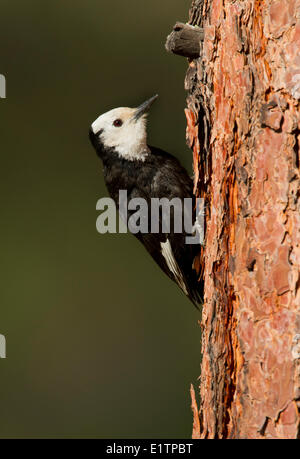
[[124, 129]]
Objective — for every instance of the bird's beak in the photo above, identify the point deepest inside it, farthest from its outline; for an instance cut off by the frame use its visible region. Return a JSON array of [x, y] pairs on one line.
[[144, 108]]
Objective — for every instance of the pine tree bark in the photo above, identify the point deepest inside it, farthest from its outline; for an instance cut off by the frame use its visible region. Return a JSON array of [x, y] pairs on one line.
[[244, 129]]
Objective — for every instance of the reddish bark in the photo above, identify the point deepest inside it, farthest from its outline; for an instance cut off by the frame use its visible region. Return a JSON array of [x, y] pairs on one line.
[[244, 129]]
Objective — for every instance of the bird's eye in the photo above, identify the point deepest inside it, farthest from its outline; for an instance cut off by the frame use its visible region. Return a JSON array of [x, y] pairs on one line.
[[118, 123]]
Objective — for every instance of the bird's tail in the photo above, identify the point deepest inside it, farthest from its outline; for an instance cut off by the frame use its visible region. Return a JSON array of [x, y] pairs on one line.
[[195, 294]]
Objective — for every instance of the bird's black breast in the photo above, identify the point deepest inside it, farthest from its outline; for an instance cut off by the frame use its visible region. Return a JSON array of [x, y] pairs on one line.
[[159, 175], [127, 175]]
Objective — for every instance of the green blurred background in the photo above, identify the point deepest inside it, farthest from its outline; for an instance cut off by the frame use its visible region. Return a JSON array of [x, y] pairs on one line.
[[99, 342]]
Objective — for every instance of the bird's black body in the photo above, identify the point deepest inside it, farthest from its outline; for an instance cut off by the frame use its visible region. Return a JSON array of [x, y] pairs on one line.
[[158, 175]]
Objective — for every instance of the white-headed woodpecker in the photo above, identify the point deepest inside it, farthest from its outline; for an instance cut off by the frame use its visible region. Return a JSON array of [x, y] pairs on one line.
[[120, 139]]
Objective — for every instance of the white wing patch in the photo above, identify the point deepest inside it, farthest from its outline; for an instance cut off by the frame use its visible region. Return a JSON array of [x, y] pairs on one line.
[[168, 255]]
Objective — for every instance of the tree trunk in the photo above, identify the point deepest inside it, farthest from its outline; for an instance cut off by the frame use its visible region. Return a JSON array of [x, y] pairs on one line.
[[243, 127]]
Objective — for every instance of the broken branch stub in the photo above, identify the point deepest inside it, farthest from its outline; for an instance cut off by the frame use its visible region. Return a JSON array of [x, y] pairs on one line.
[[185, 40]]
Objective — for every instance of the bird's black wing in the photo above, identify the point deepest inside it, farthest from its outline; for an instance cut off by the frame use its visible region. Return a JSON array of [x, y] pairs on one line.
[[169, 250]]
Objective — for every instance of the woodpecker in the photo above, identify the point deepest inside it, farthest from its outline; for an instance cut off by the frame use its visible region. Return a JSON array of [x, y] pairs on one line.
[[119, 137]]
